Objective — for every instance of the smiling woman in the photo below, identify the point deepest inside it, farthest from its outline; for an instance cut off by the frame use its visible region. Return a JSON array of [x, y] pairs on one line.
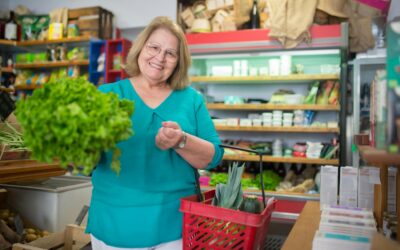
[[173, 135]]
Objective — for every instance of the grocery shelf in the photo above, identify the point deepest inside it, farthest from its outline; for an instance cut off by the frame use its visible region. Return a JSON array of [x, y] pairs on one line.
[[7, 42], [293, 129], [263, 79], [44, 42], [267, 158], [380, 157], [28, 87], [249, 106], [25, 46], [51, 64]]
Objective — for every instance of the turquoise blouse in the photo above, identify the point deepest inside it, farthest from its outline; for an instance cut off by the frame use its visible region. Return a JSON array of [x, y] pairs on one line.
[[140, 207]]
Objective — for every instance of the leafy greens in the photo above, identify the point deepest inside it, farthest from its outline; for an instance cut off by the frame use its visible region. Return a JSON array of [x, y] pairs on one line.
[[72, 122]]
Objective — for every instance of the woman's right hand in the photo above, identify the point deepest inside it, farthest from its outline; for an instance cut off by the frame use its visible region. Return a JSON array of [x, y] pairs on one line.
[[169, 135]]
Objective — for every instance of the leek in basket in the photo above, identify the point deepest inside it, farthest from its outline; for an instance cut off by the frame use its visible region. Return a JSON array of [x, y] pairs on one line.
[[230, 195]]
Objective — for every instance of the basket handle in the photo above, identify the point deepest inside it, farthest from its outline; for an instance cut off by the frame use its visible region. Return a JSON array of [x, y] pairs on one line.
[[259, 153]]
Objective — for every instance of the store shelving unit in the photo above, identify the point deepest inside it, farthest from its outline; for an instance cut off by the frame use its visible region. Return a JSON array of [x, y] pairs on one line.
[[25, 46], [256, 47], [116, 52], [96, 48]]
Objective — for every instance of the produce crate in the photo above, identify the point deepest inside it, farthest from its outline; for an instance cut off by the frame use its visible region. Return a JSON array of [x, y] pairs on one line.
[[73, 237], [93, 21], [5, 152], [210, 227]]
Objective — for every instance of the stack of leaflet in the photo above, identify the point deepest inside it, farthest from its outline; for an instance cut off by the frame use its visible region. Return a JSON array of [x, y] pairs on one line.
[[344, 228]]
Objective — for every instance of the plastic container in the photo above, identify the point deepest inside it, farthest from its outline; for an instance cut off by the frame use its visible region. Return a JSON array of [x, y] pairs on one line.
[[210, 227], [51, 204]]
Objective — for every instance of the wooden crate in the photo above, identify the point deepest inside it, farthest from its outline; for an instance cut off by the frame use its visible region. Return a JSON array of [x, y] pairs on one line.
[[27, 169], [93, 21], [73, 237]]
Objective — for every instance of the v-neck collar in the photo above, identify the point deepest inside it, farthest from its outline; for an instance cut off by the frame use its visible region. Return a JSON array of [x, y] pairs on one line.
[[159, 106]]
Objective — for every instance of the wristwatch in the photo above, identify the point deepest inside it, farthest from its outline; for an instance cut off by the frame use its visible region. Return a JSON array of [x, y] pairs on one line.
[[181, 143]]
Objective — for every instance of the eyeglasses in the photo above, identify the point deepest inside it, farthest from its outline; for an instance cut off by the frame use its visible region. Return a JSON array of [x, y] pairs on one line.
[[154, 49]]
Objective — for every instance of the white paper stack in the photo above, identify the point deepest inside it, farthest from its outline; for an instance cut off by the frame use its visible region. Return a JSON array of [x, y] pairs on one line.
[[348, 186], [344, 228], [335, 241], [367, 178], [329, 185]]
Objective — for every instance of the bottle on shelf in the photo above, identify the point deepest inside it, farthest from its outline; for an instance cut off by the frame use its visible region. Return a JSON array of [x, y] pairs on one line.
[[254, 16], [11, 28]]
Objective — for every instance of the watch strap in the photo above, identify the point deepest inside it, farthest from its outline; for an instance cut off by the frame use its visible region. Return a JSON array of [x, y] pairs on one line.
[[182, 142]]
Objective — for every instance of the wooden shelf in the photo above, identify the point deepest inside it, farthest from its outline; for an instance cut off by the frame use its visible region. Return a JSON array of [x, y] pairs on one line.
[[28, 87], [7, 42], [221, 106], [268, 158], [9, 90], [18, 170], [292, 129], [44, 42], [380, 157], [263, 79], [51, 64], [6, 70]]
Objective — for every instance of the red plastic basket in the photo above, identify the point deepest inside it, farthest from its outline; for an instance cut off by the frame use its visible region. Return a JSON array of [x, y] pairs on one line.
[[215, 228]]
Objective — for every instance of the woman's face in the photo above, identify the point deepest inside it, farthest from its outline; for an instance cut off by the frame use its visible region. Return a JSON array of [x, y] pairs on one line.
[[159, 56]]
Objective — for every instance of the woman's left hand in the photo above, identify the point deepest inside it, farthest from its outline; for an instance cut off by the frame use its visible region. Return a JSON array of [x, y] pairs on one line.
[[169, 135]]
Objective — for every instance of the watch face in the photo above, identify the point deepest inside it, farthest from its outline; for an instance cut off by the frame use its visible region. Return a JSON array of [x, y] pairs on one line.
[[181, 144]]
